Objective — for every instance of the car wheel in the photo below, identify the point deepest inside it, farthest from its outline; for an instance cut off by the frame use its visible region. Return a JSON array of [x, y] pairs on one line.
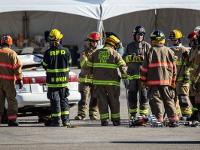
[[42, 119]]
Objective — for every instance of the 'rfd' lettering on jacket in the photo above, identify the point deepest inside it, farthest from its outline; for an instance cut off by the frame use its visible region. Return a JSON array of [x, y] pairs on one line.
[[58, 79], [103, 56], [57, 52]]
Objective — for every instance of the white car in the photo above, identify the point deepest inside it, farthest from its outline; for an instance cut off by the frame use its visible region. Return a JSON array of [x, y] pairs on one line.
[[32, 98]]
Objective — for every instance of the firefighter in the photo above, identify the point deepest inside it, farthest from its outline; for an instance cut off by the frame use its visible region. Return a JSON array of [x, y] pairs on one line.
[[134, 57], [10, 74], [85, 80], [195, 74], [56, 62], [104, 65], [158, 72], [183, 75]]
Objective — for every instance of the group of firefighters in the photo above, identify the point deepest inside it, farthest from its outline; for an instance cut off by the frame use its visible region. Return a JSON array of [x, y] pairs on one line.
[[155, 77]]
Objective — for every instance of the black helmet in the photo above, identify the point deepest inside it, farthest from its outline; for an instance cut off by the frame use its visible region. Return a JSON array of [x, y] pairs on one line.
[[139, 29], [157, 35]]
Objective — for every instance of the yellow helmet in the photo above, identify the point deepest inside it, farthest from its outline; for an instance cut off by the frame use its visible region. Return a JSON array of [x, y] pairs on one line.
[[55, 35], [175, 34], [113, 41]]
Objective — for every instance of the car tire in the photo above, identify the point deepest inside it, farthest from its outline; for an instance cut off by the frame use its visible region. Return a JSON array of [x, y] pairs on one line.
[[42, 119]]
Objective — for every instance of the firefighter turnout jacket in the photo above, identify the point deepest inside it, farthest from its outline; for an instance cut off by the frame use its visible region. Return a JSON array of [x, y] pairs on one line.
[[134, 57], [182, 61], [11, 67], [85, 76], [104, 63], [56, 62], [159, 70]]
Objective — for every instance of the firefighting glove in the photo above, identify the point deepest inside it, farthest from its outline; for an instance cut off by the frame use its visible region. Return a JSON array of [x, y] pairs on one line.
[[20, 83]]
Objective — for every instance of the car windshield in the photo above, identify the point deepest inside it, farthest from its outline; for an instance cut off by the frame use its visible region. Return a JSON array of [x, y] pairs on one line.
[[31, 61]]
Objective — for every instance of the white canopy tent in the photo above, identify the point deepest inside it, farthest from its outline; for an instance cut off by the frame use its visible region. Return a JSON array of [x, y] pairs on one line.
[[76, 18], [122, 16]]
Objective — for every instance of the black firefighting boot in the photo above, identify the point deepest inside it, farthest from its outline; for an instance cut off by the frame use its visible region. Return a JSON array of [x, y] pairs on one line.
[[116, 123], [104, 122], [53, 122], [13, 123], [66, 121]]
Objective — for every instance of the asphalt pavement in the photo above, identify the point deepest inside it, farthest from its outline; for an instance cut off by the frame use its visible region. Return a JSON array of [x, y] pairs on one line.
[[89, 135]]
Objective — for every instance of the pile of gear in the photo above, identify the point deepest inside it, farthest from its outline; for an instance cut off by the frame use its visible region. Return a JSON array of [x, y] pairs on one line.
[[151, 121]]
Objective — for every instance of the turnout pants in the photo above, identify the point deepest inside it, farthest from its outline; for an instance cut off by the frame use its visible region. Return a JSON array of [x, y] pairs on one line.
[[7, 91], [59, 104], [184, 100], [162, 96], [86, 94], [108, 97], [136, 88]]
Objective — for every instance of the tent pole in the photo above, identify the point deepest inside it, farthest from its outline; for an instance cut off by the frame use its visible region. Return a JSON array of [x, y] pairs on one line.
[[156, 19], [100, 27], [25, 25]]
